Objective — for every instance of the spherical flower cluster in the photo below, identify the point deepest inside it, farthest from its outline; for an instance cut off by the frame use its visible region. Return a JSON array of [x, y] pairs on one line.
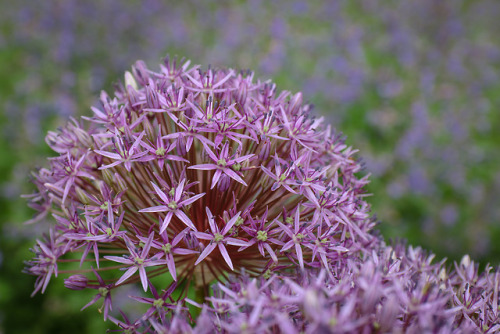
[[188, 178], [192, 175]]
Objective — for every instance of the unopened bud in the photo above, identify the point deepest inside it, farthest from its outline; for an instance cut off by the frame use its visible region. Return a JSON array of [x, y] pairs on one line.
[[148, 128], [152, 99], [82, 196], [107, 176], [76, 282], [181, 146], [84, 138], [130, 81], [265, 150], [224, 183], [295, 103], [140, 72], [121, 182]]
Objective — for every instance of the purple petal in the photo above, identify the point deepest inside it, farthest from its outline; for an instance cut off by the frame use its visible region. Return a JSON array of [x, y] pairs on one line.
[[211, 221], [216, 178], [160, 193], [236, 242], [271, 252], [210, 153], [234, 176], [119, 259], [205, 253], [147, 245], [204, 167], [230, 223], [110, 165], [109, 154], [179, 236], [225, 255], [179, 190], [127, 275], [171, 267], [136, 143], [268, 172], [297, 220], [144, 278], [159, 208], [175, 158], [183, 251], [166, 221], [298, 251], [287, 246], [203, 236], [185, 219], [69, 183], [243, 158], [153, 263], [189, 143], [191, 200], [96, 298], [96, 255]]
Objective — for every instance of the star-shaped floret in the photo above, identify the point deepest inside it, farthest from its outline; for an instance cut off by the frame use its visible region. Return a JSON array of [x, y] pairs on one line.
[[138, 261], [104, 291], [262, 235], [223, 165], [160, 304], [219, 239], [70, 170], [296, 236], [159, 151], [169, 248], [173, 205], [281, 177], [125, 156]]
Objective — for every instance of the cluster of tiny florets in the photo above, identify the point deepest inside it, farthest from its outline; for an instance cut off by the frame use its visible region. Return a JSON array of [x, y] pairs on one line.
[[388, 289], [189, 177], [196, 174]]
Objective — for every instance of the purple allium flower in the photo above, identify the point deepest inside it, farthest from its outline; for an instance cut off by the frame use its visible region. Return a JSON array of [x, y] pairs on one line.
[[187, 178], [230, 170]]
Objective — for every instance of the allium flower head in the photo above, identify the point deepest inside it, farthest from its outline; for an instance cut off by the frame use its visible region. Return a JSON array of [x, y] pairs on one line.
[[192, 175], [195, 177]]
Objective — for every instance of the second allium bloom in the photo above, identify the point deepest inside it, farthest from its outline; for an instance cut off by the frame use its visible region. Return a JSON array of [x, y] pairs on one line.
[[196, 174]]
